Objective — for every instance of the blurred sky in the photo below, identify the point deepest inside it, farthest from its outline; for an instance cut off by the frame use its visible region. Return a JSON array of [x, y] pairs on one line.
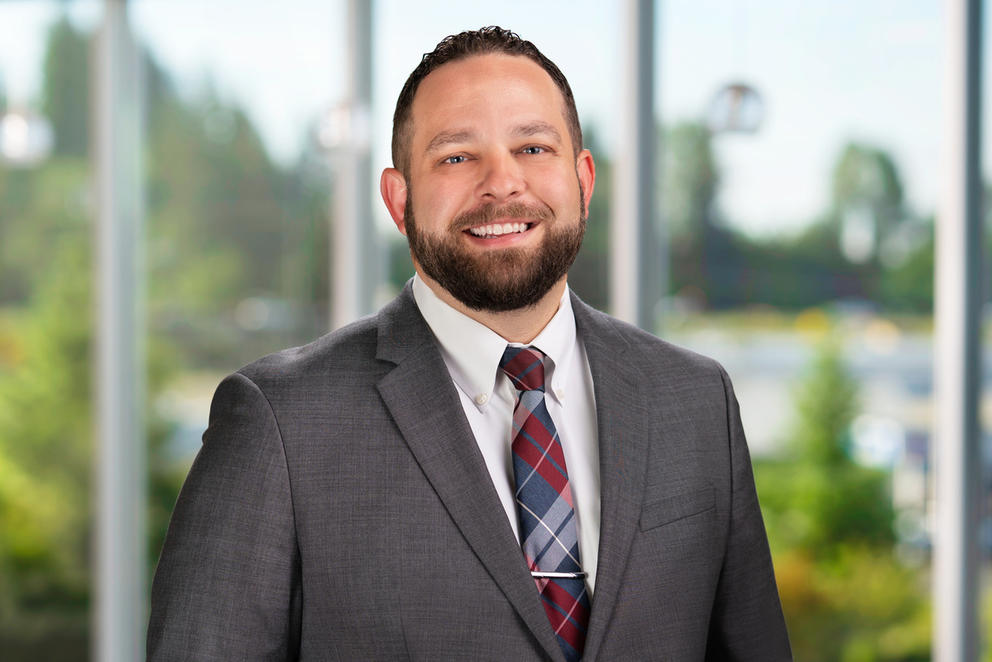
[[829, 73]]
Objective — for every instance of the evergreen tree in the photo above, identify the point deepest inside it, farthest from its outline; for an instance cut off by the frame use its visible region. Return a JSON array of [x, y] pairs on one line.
[[65, 88]]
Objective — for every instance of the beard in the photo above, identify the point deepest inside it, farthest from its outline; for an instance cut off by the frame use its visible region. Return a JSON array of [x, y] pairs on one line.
[[498, 280]]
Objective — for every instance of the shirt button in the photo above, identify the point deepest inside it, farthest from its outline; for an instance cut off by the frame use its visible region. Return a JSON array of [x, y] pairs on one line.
[[481, 399]]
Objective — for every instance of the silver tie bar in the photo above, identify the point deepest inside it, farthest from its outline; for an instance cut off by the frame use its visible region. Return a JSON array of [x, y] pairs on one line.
[[557, 575]]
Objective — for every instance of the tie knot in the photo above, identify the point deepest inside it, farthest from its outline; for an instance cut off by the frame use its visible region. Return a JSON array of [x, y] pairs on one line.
[[525, 367]]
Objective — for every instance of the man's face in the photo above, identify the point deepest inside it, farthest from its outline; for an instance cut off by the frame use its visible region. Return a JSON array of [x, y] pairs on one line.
[[495, 196]]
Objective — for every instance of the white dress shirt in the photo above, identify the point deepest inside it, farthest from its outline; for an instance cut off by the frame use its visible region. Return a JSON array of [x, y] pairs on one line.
[[472, 351]]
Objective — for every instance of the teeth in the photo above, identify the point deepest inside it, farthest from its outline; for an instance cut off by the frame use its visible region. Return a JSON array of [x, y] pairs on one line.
[[498, 229]]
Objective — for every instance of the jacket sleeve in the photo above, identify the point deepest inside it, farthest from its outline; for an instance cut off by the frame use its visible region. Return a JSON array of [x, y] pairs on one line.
[[227, 585], [747, 621]]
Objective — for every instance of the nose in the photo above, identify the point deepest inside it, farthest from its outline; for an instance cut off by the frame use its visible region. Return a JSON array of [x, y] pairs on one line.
[[502, 178]]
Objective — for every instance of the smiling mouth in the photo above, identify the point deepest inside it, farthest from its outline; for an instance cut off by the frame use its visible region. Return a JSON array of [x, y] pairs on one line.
[[498, 229]]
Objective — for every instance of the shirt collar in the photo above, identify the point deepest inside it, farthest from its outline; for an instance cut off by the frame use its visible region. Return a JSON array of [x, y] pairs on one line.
[[472, 351]]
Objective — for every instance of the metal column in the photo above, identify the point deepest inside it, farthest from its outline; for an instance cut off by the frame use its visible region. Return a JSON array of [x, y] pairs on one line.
[[353, 260], [637, 265], [121, 538], [958, 289]]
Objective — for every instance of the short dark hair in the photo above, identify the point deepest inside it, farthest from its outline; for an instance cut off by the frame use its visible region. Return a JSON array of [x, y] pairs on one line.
[[492, 39]]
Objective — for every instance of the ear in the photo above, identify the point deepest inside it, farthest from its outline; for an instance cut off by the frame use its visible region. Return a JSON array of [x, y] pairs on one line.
[[585, 168], [392, 186]]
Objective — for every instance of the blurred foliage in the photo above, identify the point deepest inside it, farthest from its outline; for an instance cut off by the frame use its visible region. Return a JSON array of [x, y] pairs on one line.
[[225, 224], [700, 248], [715, 267], [907, 284], [65, 82], [589, 276], [830, 524], [45, 451], [986, 626], [219, 217], [46, 435], [866, 177]]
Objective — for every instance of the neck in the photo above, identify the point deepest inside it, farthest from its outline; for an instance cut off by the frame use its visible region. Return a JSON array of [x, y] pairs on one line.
[[521, 325]]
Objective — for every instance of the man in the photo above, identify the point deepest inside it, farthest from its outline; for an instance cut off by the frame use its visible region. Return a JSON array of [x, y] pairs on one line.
[[487, 469]]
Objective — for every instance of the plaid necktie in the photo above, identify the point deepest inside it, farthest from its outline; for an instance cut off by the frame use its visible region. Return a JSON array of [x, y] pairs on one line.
[[544, 504]]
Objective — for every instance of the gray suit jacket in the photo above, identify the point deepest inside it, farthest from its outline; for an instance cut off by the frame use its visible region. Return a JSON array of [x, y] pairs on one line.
[[340, 509]]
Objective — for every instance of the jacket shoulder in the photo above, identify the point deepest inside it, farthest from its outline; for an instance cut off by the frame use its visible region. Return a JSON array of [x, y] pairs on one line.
[[350, 349], [352, 356]]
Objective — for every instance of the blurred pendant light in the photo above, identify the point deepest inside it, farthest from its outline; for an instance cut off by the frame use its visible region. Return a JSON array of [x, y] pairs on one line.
[[26, 138], [737, 107]]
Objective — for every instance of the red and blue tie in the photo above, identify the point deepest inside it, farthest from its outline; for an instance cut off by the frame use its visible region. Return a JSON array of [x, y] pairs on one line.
[[548, 533]]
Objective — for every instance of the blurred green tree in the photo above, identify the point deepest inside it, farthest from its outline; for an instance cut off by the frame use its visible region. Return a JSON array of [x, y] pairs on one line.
[[46, 435], [225, 223], [46, 424], [906, 281], [589, 276], [831, 528], [690, 179], [867, 189], [65, 87], [705, 253]]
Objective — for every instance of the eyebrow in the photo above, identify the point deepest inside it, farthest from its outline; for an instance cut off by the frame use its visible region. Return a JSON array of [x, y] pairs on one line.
[[527, 130], [536, 128], [447, 138]]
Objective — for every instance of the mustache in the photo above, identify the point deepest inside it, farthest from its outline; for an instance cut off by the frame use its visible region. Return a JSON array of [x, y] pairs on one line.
[[489, 213]]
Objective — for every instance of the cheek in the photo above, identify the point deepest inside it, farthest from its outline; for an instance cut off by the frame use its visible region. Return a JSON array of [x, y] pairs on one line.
[[559, 189], [435, 206]]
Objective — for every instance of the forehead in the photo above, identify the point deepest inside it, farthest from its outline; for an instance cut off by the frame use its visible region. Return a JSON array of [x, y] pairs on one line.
[[481, 88]]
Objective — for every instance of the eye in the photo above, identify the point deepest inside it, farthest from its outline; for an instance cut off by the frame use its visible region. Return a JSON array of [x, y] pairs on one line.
[[534, 149], [457, 158]]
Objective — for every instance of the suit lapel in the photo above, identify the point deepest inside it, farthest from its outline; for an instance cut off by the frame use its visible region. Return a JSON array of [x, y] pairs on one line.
[[623, 442], [424, 404]]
